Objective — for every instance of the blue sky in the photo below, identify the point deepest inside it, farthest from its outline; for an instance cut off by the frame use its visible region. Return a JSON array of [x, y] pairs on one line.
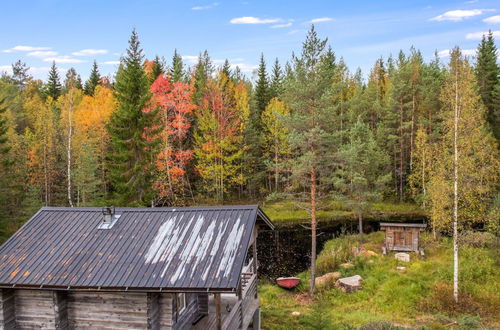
[[75, 32]]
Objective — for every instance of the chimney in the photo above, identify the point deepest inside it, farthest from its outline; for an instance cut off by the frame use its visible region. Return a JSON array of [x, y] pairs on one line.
[[108, 215]]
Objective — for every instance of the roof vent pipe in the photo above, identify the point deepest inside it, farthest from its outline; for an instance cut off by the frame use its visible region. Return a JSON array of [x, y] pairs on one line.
[[108, 213]]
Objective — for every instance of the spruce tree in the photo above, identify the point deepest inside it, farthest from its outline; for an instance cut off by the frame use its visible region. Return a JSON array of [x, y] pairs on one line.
[[262, 93], [131, 153], [93, 81], [276, 85], [204, 70], [177, 70], [53, 86], [158, 68], [226, 68], [487, 73]]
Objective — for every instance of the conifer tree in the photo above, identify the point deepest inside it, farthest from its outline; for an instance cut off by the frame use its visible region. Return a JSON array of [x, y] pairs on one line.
[[203, 72], [93, 81], [226, 68], [53, 87], [176, 73], [157, 69], [20, 73], [262, 93], [487, 73], [72, 80], [276, 85], [307, 93], [131, 153]]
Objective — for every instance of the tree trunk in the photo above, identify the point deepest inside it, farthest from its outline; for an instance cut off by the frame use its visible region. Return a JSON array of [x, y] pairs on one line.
[[313, 230], [455, 195], [401, 152], [70, 133], [360, 224]]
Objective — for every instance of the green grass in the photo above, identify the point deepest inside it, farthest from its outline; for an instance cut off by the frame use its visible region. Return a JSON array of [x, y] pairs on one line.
[[419, 297], [289, 212]]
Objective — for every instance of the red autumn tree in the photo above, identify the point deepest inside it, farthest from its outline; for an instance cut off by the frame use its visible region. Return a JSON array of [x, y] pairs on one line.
[[176, 109]]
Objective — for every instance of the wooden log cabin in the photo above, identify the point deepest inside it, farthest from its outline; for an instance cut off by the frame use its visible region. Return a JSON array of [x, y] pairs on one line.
[[402, 236], [133, 268]]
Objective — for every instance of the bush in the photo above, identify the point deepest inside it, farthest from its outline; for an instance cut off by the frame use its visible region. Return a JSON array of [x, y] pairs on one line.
[[440, 299], [335, 252], [380, 325], [478, 239]]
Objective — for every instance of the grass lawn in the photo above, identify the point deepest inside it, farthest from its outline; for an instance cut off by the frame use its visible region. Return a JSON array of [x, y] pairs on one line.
[[418, 297]]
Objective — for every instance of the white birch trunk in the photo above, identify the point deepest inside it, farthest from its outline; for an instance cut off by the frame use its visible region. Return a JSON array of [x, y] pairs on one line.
[[70, 134], [455, 194]]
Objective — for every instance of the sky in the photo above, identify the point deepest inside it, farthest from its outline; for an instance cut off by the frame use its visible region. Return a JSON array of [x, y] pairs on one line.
[[74, 33]]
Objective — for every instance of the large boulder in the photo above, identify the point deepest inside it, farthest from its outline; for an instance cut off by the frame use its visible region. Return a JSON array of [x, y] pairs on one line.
[[327, 279], [401, 256], [349, 284]]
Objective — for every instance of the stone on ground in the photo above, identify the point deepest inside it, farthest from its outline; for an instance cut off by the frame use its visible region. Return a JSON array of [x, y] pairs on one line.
[[368, 254], [346, 265], [295, 313], [349, 284], [401, 268], [401, 256], [328, 278]]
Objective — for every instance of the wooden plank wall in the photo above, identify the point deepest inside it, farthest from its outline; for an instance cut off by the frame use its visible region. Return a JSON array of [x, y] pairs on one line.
[[60, 305], [107, 310], [165, 318], [189, 314], [7, 309], [34, 309]]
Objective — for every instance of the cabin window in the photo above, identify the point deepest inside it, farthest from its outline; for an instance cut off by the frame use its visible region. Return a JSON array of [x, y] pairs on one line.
[[181, 302]]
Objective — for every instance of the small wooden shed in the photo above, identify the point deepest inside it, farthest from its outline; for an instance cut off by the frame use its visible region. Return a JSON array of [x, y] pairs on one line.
[[133, 268], [402, 236]]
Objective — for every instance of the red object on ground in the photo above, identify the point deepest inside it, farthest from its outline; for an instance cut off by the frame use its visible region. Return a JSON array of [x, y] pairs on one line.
[[288, 282]]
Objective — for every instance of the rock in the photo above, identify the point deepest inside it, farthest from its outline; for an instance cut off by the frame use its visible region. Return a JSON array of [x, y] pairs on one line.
[[368, 254], [349, 284], [328, 278], [400, 268], [401, 256], [357, 250], [295, 313], [346, 265], [371, 261]]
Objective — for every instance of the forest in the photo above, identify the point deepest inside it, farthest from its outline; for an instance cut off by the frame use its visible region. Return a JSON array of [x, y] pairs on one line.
[[160, 133]]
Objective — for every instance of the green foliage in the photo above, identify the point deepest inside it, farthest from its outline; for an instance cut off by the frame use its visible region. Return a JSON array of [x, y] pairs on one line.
[[176, 72], [53, 86], [131, 154], [93, 81]]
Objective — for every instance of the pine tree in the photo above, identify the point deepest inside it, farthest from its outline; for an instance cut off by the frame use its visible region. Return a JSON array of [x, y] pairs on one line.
[[93, 81], [131, 153], [53, 86], [72, 80], [226, 68], [177, 70], [487, 73], [203, 72], [312, 142], [158, 68], [20, 73]]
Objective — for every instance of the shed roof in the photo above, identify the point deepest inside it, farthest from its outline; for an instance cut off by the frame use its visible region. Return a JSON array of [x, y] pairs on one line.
[[401, 224], [147, 249]]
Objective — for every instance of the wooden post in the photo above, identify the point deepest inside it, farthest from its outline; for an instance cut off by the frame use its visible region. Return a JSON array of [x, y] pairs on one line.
[[7, 309], [218, 315], [60, 304], [153, 310], [254, 246]]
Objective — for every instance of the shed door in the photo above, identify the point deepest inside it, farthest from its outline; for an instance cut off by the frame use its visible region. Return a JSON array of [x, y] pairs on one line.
[[403, 239]]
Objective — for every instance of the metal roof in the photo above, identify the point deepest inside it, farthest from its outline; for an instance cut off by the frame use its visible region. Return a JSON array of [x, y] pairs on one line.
[[147, 249]]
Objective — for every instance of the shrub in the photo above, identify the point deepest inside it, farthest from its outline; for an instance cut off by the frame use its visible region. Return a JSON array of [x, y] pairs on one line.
[[335, 252], [478, 239]]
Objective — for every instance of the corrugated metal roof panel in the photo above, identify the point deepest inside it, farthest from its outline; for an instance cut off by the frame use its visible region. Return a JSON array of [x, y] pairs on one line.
[[196, 248]]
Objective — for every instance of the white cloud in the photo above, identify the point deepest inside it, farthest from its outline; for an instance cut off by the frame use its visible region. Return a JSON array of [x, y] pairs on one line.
[[479, 35], [42, 53], [466, 52], [214, 4], [492, 19], [459, 15], [63, 59], [321, 19], [279, 26], [111, 62], [43, 69], [254, 20], [24, 49], [90, 52], [191, 59], [6, 68], [244, 67]]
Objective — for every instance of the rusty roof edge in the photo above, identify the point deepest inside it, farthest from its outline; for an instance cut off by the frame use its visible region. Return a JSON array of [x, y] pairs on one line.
[[403, 224], [265, 218]]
